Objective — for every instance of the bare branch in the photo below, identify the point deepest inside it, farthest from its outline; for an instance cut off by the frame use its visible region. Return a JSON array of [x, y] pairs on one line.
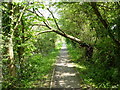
[[67, 36], [46, 23], [40, 16], [32, 25], [44, 17], [55, 20], [45, 32], [38, 25]]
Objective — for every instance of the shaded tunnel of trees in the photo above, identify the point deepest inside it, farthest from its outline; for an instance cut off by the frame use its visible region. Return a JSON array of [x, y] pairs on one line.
[[92, 28]]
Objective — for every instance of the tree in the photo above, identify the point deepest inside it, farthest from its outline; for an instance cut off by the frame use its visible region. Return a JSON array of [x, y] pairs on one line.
[[7, 24], [24, 24]]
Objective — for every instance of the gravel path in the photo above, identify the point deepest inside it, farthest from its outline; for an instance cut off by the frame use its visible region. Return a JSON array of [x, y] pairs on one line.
[[65, 75]]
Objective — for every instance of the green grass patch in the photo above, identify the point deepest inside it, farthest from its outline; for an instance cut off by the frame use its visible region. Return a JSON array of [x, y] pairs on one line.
[[41, 67]]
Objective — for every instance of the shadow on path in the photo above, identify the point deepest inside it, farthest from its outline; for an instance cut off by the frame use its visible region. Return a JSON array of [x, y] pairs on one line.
[[65, 75]]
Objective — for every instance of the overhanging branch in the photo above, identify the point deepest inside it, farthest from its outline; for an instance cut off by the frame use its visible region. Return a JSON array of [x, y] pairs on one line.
[[38, 25], [34, 12], [45, 32], [55, 20], [67, 36], [89, 48]]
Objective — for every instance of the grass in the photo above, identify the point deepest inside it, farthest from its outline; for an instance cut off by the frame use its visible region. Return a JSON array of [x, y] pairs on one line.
[[43, 67], [35, 71], [40, 69]]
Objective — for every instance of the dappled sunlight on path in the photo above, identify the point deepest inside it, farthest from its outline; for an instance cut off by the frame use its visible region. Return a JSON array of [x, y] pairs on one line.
[[65, 75]]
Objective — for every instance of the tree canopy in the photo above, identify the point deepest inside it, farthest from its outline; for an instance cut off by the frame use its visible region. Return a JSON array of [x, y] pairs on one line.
[[33, 28]]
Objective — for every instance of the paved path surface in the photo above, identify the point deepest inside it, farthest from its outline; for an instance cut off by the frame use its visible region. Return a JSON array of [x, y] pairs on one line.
[[65, 75]]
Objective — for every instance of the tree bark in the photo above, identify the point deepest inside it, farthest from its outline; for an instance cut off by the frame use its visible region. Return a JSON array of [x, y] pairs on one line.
[[11, 65]]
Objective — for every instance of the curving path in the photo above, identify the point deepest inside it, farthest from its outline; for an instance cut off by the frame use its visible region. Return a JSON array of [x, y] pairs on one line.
[[65, 74]]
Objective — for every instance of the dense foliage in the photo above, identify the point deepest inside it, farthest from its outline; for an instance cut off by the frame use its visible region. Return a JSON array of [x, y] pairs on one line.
[[80, 20], [27, 56], [29, 48]]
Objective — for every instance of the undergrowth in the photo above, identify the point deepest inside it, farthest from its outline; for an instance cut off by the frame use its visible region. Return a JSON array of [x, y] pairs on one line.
[[40, 68], [36, 71], [94, 74]]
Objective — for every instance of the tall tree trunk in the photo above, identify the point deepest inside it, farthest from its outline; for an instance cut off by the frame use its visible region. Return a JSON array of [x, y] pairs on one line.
[[10, 43], [11, 56]]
